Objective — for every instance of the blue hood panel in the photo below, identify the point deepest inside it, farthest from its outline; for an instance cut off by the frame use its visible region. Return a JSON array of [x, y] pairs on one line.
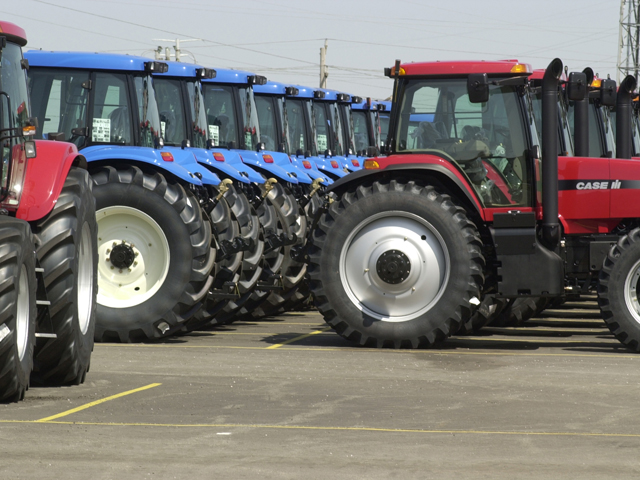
[[140, 154], [187, 158], [253, 158], [205, 157], [232, 160]]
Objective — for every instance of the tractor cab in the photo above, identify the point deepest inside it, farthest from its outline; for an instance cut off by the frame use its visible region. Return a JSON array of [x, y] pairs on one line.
[[366, 125], [279, 132], [491, 143]]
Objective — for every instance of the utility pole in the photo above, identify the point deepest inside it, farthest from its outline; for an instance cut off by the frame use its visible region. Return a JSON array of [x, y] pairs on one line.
[[629, 38], [324, 70]]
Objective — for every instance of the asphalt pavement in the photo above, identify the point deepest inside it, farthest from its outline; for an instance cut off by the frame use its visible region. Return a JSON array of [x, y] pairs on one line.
[[286, 398]]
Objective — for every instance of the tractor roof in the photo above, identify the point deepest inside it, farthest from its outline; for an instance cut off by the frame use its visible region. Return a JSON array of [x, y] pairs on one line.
[[13, 33], [231, 76], [86, 60], [271, 88], [462, 67]]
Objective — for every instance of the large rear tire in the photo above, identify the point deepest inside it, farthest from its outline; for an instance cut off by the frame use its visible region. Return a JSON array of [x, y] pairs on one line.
[[66, 247], [618, 289], [293, 217], [395, 263], [519, 310], [154, 254], [17, 308]]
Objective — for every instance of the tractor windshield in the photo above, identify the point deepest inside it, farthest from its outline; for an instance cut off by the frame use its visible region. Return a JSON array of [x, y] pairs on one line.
[[198, 115], [14, 112], [148, 116], [565, 138], [269, 108], [231, 126], [361, 130], [597, 136], [298, 115], [347, 127], [177, 121], [328, 127], [487, 141], [61, 103]]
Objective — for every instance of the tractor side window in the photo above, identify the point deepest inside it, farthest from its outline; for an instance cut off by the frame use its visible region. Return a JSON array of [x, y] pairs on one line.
[[149, 129], [221, 116], [251, 127], [322, 127], [267, 120], [171, 110], [360, 131], [335, 122], [295, 124], [198, 115], [486, 141], [111, 119], [596, 142], [60, 99]]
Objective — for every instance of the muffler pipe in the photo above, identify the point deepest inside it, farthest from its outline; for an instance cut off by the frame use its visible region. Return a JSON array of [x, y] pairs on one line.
[[624, 110], [550, 225]]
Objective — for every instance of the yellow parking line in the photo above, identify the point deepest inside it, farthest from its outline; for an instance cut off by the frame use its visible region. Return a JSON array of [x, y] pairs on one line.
[[243, 333], [533, 329], [356, 349], [97, 402], [278, 345], [341, 429], [538, 340]]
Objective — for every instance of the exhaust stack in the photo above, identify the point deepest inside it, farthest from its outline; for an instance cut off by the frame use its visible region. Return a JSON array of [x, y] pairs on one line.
[[624, 110], [581, 120], [550, 225]]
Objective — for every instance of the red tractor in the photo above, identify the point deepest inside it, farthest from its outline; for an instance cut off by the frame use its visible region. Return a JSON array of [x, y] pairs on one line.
[[48, 254], [470, 208]]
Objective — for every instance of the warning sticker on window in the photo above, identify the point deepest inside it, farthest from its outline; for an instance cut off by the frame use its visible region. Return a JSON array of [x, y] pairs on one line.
[[248, 140], [163, 129], [101, 131], [302, 141], [322, 143], [214, 134]]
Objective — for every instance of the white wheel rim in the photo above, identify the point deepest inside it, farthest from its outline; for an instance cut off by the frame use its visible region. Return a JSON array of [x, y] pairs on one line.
[[85, 278], [123, 288], [631, 292], [22, 313], [419, 242]]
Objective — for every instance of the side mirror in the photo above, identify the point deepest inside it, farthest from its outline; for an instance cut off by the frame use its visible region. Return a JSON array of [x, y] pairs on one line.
[[577, 86], [299, 152], [185, 144], [372, 151], [260, 146], [56, 136], [282, 147], [608, 93], [307, 153], [478, 88], [210, 143]]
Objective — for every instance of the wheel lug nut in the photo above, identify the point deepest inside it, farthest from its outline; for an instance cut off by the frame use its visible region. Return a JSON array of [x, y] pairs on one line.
[[135, 264], [108, 250], [112, 267], [114, 244]]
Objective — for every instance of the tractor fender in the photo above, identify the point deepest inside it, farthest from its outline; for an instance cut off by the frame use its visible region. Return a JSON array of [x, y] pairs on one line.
[[283, 160], [233, 159], [206, 157], [324, 163], [188, 159], [45, 177], [313, 171], [150, 156], [255, 159], [442, 170]]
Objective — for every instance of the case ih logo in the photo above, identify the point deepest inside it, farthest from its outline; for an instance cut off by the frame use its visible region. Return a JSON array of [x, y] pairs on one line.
[[598, 184]]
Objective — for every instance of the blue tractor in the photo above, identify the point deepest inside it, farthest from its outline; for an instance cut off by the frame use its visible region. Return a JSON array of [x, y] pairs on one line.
[[155, 249], [366, 126], [233, 124], [185, 124], [384, 114], [291, 105], [354, 157]]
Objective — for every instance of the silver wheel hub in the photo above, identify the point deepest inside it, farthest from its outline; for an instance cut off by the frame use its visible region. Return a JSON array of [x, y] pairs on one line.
[[394, 266], [22, 313], [631, 291]]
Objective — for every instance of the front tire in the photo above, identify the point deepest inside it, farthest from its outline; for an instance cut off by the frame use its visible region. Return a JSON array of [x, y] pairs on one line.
[[17, 308], [66, 247], [395, 263], [618, 288], [154, 254]]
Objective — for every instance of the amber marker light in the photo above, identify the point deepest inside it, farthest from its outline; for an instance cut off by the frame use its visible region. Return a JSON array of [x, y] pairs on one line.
[[371, 165], [218, 156], [166, 156]]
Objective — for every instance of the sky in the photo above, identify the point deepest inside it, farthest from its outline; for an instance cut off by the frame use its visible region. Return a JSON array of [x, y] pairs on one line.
[[281, 39]]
